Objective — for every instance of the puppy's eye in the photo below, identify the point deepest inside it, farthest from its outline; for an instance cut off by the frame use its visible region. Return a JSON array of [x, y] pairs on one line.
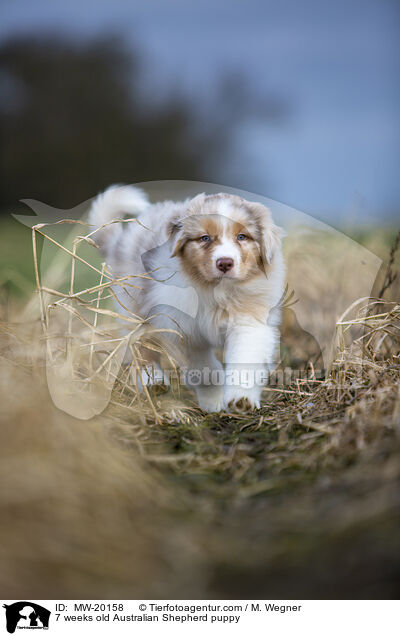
[[241, 237], [205, 238]]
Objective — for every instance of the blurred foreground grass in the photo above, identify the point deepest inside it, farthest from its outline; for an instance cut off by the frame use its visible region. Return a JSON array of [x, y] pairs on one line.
[[300, 499]]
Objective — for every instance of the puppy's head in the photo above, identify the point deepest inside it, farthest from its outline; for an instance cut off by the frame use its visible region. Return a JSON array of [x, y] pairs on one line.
[[224, 237]]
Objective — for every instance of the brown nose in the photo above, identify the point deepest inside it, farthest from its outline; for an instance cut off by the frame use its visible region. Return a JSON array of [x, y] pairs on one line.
[[224, 264]]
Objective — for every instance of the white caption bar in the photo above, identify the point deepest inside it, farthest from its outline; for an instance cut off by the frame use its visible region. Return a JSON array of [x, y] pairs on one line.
[[220, 617]]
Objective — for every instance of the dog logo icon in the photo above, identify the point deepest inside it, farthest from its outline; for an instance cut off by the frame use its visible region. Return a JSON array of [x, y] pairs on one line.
[[26, 615]]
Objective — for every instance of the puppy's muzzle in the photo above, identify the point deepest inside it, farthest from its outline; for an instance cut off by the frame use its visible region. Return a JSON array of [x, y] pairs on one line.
[[224, 264]]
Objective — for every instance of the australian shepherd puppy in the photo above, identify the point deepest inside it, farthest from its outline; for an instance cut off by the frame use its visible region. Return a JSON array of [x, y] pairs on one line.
[[211, 279]]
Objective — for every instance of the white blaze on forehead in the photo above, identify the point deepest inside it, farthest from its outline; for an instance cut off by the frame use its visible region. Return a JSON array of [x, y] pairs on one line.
[[225, 208], [229, 213], [227, 248]]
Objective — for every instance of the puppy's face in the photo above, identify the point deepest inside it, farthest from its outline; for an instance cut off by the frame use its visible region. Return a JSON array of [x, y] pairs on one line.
[[224, 237]]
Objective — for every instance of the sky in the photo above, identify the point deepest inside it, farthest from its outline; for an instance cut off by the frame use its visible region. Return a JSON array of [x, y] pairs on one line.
[[335, 64]]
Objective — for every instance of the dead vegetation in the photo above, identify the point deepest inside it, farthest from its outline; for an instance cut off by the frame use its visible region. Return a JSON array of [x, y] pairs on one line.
[[153, 499]]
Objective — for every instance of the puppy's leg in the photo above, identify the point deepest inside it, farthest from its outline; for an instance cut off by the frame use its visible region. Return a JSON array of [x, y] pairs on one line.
[[204, 374], [249, 354]]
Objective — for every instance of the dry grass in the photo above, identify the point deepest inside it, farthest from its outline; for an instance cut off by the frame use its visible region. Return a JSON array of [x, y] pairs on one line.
[[152, 498]]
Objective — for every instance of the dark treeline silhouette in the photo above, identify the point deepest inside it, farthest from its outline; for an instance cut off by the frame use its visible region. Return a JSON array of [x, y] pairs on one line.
[[74, 120]]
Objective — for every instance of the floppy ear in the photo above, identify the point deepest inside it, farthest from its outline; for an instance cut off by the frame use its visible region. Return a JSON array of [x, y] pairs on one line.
[[177, 235], [176, 228], [270, 235]]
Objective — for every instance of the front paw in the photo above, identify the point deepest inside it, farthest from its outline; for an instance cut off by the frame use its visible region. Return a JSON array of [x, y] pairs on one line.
[[242, 399], [210, 398]]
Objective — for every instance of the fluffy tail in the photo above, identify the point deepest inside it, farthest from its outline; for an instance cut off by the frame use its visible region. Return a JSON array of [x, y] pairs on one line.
[[115, 203]]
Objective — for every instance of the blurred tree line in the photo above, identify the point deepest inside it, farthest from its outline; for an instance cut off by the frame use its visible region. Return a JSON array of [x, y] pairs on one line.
[[73, 119]]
